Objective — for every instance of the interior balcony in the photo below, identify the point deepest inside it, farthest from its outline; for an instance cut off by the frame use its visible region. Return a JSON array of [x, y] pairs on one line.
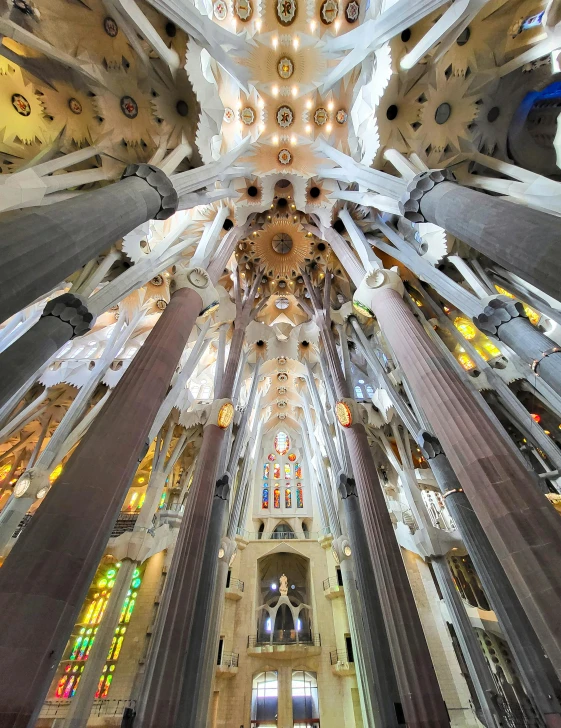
[[284, 644], [342, 663], [333, 588], [228, 665], [234, 589]]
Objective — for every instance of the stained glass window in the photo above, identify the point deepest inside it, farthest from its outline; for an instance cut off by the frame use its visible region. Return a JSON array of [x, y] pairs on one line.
[[265, 497], [287, 498], [282, 443], [271, 457], [266, 469], [92, 614], [358, 392], [292, 457], [287, 471], [276, 496], [299, 496], [297, 470], [276, 470], [369, 390]]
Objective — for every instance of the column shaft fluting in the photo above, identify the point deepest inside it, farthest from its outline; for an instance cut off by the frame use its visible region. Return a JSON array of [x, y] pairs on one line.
[[45, 578], [523, 240], [538, 677], [168, 687], [520, 523], [43, 245], [26, 355], [418, 686]]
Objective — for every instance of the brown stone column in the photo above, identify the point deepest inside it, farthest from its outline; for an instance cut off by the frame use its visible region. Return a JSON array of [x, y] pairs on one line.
[[522, 526], [421, 698], [45, 578], [167, 685]]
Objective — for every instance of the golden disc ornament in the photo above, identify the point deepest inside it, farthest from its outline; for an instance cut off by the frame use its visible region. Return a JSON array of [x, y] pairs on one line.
[[225, 415], [344, 414]]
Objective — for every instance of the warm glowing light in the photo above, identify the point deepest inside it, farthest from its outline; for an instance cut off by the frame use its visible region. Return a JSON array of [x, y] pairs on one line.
[[547, 432], [330, 106], [275, 141], [258, 24], [309, 104], [329, 128], [295, 91], [313, 25], [260, 103], [535, 417], [361, 308], [225, 415], [531, 314], [261, 128], [337, 25], [347, 550], [275, 90], [141, 480], [344, 414], [275, 42], [308, 128], [56, 472], [466, 362], [293, 140], [465, 327], [504, 292], [296, 42]]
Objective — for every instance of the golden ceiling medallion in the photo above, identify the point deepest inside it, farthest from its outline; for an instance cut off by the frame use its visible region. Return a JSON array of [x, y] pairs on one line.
[[243, 9], [285, 117], [341, 116], [285, 68], [284, 156], [286, 11], [247, 115], [329, 11], [321, 116]]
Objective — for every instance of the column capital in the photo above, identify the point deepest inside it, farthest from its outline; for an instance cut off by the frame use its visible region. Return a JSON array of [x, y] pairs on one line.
[[410, 202], [498, 310], [347, 486], [430, 445], [222, 487], [199, 281], [33, 483], [159, 181], [364, 298], [73, 310]]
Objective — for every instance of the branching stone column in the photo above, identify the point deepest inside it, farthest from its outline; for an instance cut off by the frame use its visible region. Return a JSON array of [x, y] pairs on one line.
[[540, 682], [64, 318], [505, 319], [520, 523], [46, 576], [168, 688], [523, 240], [421, 698], [42, 246]]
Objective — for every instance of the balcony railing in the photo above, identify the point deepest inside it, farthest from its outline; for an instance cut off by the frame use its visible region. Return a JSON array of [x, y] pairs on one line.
[[282, 535], [125, 522], [101, 707], [338, 657], [229, 659], [236, 584], [284, 637], [331, 583]]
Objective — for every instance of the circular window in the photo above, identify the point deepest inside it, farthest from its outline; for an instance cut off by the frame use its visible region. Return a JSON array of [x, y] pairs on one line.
[[282, 303], [406, 35], [252, 191], [442, 114], [227, 224], [493, 114], [464, 37], [282, 243], [182, 108], [391, 113], [315, 192], [171, 30]]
